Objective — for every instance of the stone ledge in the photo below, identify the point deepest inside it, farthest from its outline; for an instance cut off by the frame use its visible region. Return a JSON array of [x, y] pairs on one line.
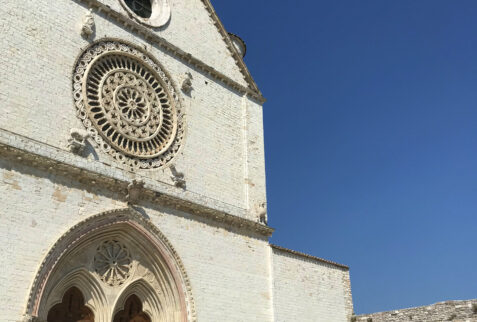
[[58, 161]]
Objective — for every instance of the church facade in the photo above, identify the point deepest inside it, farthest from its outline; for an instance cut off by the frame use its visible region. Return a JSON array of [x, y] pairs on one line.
[[132, 172]]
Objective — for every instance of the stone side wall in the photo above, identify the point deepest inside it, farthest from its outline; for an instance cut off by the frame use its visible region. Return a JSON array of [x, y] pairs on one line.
[[309, 289], [228, 268], [40, 43], [456, 311]]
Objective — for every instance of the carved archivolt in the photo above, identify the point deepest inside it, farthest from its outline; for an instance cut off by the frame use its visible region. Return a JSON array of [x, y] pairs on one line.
[[109, 258], [128, 104]]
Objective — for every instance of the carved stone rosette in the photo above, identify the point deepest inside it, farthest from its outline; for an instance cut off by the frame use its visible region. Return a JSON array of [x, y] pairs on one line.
[[128, 104], [112, 262]]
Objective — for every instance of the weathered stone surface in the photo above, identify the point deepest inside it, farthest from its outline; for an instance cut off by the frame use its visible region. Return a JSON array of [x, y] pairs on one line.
[[456, 311]]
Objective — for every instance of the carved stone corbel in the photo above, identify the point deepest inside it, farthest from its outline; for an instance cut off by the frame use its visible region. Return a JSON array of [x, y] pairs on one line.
[[261, 211], [187, 84], [135, 190], [77, 140], [178, 178], [88, 25]]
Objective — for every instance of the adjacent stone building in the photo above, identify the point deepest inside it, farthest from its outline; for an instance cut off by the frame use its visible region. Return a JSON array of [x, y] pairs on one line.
[[132, 172]]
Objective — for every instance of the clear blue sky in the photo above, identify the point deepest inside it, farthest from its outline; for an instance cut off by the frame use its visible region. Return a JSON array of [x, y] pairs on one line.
[[371, 138]]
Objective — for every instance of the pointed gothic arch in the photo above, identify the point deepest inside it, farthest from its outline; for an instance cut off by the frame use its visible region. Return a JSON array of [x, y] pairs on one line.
[[132, 310], [110, 258], [71, 307]]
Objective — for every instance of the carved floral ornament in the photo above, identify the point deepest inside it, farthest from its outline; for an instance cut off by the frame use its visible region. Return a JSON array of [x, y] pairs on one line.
[[128, 104], [112, 262]]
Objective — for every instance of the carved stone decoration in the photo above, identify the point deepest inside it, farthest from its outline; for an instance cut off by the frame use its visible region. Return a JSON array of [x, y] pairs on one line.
[[135, 189], [112, 262], [128, 104], [262, 213], [109, 233], [153, 13], [187, 84], [77, 140], [178, 178], [88, 25], [29, 318]]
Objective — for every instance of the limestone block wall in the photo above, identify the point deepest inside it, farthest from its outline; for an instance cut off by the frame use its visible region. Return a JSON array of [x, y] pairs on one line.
[[457, 311], [310, 289], [228, 268], [255, 182], [40, 42]]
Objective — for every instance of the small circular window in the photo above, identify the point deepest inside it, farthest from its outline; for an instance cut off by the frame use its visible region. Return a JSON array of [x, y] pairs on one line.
[[154, 13], [142, 8]]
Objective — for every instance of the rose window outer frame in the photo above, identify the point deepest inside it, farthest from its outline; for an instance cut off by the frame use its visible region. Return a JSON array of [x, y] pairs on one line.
[[97, 53]]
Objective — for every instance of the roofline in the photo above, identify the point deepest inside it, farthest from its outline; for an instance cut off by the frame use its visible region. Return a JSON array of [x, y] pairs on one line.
[[237, 57], [294, 252], [250, 91]]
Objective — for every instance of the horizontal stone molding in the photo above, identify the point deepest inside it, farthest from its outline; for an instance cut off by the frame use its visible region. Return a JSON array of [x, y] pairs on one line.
[[135, 27], [61, 162]]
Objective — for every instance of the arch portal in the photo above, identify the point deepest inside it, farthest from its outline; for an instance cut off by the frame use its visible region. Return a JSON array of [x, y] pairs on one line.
[[112, 266]]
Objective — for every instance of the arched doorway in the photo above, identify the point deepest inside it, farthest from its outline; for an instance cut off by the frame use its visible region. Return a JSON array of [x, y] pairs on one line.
[[71, 309], [132, 311], [115, 266]]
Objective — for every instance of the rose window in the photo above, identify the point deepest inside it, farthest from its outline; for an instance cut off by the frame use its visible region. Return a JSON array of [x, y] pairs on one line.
[[128, 104], [112, 262], [132, 104]]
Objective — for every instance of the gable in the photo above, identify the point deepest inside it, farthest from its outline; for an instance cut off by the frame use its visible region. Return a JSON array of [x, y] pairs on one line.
[[195, 28]]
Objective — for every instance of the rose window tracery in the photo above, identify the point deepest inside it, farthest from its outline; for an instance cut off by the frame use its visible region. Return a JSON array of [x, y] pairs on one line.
[[112, 262], [128, 104]]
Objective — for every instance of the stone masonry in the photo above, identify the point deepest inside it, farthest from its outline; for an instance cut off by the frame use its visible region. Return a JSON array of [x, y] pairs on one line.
[[193, 225], [456, 311]]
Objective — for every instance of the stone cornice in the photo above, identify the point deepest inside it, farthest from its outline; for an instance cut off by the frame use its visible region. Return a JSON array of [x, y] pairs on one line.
[[286, 250], [61, 162], [251, 91], [225, 35]]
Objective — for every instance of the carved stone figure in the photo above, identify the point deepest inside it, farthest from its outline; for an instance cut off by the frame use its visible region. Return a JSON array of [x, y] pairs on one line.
[[261, 210], [178, 178], [134, 191], [88, 25], [187, 84], [77, 140]]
